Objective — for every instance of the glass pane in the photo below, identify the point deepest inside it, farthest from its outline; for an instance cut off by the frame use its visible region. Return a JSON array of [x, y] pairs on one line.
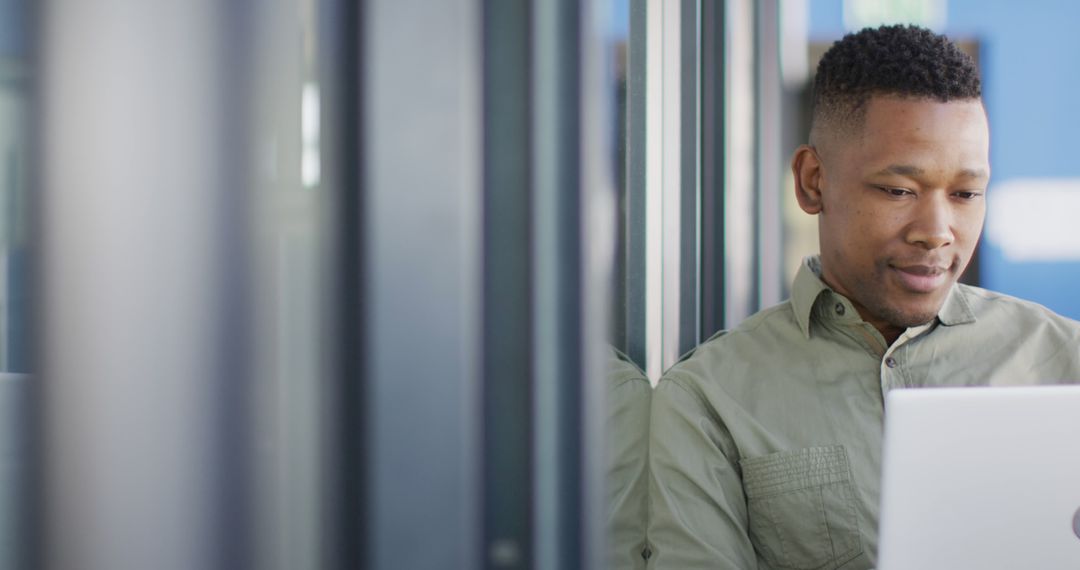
[[14, 281], [628, 389], [291, 202]]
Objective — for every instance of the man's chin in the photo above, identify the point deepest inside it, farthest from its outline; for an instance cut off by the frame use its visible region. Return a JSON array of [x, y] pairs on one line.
[[907, 317], [911, 309]]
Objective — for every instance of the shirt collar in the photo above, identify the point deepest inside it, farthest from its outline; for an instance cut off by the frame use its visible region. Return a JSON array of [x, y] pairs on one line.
[[808, 287], [956, 310], [805, 291]]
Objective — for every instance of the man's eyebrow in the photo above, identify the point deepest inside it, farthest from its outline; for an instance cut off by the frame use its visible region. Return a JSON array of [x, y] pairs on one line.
[[973, 173], [915, 171], [901, 170]]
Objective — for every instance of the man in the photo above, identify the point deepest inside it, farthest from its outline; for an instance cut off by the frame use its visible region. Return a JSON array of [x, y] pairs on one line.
[[765, 444]]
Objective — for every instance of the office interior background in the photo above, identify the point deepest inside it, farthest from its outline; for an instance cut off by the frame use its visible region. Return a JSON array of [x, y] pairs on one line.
[[330, 283]]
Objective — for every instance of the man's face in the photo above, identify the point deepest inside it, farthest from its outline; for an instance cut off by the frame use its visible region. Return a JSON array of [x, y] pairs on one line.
[[901, 207]]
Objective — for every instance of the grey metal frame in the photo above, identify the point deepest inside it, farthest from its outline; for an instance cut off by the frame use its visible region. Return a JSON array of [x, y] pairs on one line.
[[712, 167], [507, 283], [347, 536], [682, 203], [423, 250], [769, 89], [740, 172], [572, 252], [631, 335], [492, 329], [690, 91]]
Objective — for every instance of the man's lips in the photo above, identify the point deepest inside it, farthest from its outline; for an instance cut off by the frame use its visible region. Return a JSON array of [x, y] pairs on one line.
[[921, 278]]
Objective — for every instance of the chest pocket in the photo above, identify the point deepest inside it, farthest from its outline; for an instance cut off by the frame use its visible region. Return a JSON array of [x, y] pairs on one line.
[[802, 508]]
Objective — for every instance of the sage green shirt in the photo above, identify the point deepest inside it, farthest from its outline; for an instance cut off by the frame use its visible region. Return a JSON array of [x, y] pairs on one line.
[[765, 444], [628, 395]]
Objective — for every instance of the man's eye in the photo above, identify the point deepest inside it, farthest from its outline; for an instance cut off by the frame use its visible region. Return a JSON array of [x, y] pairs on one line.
[[967, 195], [895, 191]]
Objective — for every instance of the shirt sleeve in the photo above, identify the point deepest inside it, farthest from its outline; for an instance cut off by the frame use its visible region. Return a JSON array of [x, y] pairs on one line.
[[698, 516]]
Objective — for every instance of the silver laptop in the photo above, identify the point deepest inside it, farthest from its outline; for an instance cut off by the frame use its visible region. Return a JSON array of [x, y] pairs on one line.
[[982, 478]]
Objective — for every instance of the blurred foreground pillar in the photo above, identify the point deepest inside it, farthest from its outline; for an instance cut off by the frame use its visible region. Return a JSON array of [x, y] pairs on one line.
[[135, 156]]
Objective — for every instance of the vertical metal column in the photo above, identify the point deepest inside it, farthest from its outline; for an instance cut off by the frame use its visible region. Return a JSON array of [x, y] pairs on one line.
[[344, 167], [654, 190], [235, 338], [671, 101], [713, 151], [423, 245], [633, 332], [597, 201], [556, 297], [681, 68], [769, 162], [573, 245], [508, 315], [134, 225], [293, 271], [689, 332], [740, 213], [18, 69]]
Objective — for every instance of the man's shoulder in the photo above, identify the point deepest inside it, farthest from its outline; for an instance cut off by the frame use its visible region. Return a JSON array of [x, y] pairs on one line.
[[1000, 309], [745, 343]]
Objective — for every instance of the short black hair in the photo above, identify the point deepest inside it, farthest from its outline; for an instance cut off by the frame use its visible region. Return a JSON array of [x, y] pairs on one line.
[[902, 61]]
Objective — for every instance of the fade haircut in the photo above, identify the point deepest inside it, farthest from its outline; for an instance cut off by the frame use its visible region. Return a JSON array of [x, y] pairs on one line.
[[900, 61]]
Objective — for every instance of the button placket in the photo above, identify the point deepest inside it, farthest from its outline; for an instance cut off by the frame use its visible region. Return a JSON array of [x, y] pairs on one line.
[[891, 364], [892, 373]]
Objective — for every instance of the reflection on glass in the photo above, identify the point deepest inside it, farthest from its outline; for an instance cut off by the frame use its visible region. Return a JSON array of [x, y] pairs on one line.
[[627, 389], [619, 53], [628, 396], [13, 218], [291, 200], [14, 290]]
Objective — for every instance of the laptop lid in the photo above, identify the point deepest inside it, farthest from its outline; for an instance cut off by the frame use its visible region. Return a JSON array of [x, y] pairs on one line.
[[981, 478]]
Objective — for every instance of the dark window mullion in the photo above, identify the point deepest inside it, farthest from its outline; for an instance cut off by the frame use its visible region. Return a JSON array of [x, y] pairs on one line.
[[507, 402]]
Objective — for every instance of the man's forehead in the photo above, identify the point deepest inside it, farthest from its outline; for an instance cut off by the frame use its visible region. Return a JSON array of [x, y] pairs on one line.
[[925, 127], [953, 151], [892, 111], [882, 126]]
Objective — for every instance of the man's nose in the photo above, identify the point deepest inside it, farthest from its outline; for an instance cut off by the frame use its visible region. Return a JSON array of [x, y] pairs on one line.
[[931, 227]]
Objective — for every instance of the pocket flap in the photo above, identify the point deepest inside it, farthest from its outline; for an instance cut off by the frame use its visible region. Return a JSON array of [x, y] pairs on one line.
[[794, 470]]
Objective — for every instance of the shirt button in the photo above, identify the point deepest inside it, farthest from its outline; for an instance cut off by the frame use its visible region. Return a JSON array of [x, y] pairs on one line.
[[840, 309], [890, 362]]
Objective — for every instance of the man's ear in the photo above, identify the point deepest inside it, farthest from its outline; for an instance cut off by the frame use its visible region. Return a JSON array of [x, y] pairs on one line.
[[806, 166]]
